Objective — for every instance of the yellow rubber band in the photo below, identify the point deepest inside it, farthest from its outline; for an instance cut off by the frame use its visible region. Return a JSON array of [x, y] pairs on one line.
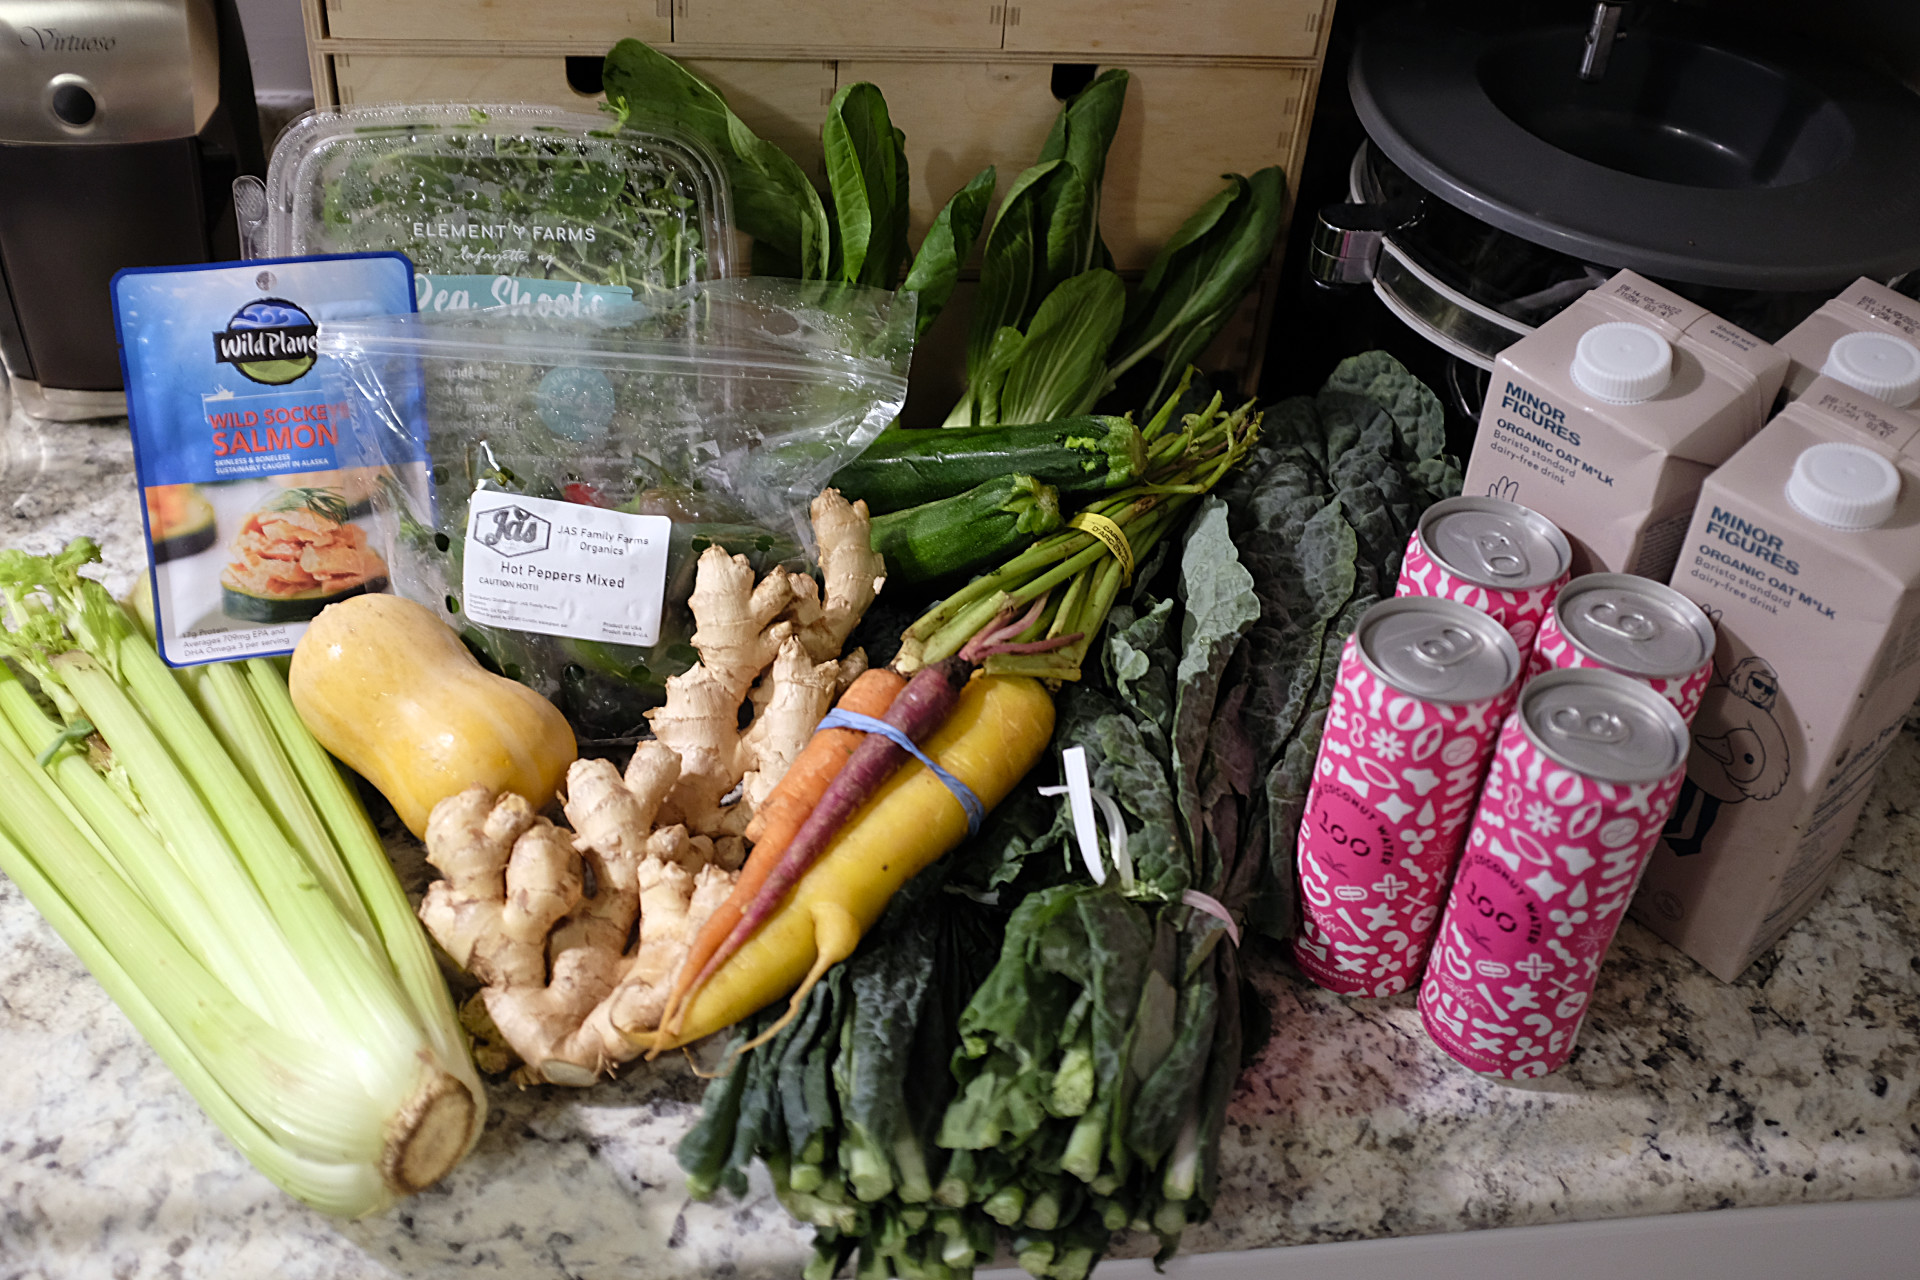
[[1110, 533]]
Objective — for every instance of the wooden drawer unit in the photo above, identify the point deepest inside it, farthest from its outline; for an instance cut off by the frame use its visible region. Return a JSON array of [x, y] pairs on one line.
[[1218, 86]]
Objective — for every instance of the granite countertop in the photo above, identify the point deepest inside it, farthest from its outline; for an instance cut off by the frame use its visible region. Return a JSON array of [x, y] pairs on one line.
[[1796, 1084]]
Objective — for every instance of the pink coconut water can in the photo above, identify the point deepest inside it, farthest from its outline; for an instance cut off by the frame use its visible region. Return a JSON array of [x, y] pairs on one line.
[[1422, 688], [1632, 625], [1584, 777], [1493, 555]]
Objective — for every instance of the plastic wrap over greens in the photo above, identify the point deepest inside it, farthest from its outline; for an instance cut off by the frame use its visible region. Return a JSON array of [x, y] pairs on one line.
[[726, 411]]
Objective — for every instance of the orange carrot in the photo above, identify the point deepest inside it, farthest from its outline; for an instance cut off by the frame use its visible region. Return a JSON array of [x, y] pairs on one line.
[[780, 817]]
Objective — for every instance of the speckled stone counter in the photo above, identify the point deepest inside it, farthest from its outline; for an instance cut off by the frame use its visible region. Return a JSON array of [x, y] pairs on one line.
[[1796, 1084]]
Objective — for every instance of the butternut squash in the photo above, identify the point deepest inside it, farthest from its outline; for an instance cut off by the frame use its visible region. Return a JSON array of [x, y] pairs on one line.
[[389, 689]]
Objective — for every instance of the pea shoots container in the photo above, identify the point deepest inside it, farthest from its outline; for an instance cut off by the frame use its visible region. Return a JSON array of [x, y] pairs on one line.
[[515, 206]]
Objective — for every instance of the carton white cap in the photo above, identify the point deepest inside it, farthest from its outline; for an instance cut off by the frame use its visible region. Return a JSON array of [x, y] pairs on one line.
[[1847, 486], [1622, 363], [1885, 367]]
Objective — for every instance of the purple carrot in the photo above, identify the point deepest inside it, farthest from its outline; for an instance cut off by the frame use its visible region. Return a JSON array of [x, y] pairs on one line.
[[917, 710]]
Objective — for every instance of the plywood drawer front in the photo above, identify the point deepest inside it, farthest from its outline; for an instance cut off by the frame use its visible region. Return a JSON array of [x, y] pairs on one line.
[[362, 78], [591, 22], [782, 101], [1183, 127], [844, 24], [1194, 28]]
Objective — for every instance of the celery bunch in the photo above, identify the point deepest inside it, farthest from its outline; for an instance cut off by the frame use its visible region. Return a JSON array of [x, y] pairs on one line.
[[203, 856]]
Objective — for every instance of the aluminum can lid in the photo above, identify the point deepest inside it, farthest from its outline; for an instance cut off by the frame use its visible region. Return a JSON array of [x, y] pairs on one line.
[[1491, 542], [1634, 624], [1603, 725], [1437, 650]]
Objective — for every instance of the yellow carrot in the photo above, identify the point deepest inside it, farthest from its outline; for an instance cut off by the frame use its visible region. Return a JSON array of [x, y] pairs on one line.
[[995, 734], [779, 817]]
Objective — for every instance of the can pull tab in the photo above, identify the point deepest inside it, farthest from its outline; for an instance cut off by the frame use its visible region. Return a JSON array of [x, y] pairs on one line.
[[1499, 554], [1588, 726], [1625, 623], [1447, 646]]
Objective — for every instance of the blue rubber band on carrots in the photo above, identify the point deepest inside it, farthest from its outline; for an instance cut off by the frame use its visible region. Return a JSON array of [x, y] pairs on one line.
[[838, 719]]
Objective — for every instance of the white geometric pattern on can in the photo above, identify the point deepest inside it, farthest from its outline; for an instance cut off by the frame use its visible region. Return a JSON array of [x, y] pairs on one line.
[[1393, 791], [1551, 862], [1520, 612], [1554, 650]]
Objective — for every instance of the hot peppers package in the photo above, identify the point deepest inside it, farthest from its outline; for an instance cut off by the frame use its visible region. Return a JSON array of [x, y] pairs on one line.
[[254, 503]]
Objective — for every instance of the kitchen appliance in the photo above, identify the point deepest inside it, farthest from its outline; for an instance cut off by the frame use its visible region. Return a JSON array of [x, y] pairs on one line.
[[123, 124], [1752, 176]]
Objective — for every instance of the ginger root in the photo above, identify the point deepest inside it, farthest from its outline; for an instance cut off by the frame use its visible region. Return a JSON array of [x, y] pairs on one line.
[[852, 569], [741, 624], [510, 875], [579, 934]]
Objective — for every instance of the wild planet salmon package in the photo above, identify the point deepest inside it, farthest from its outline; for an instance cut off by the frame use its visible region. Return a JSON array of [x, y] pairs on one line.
[[255, 495]]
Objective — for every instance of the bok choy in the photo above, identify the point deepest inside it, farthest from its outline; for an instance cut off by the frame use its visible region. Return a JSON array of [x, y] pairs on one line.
[[1053, 326], [201, 854]]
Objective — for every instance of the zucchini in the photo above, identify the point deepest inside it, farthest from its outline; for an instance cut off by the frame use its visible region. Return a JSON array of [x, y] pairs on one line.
[[303, 606], [967, 532], [906, 467]]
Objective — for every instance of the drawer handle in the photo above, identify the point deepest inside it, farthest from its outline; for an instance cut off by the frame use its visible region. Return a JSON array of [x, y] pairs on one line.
[[584, 74]]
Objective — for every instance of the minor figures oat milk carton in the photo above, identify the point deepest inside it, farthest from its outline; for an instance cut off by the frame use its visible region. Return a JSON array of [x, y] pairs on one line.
[[1868, 338], [1606, 419], [1805, 550]]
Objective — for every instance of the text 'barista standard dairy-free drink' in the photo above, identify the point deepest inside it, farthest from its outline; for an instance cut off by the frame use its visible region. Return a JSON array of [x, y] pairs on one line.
[[1867, 338], [1805, 550], [1608, 417]]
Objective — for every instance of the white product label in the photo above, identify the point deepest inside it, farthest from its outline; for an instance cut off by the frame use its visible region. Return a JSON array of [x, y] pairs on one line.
[[563, 569]]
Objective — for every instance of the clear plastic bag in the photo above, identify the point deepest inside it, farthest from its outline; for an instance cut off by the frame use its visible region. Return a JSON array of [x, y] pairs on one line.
[[725, 411]]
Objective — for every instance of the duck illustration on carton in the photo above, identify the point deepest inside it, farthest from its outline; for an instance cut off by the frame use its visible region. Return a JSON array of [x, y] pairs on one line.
[[1739, 753]]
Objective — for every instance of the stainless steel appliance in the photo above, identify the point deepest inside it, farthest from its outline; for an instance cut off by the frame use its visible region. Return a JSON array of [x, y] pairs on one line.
[[123, 124]]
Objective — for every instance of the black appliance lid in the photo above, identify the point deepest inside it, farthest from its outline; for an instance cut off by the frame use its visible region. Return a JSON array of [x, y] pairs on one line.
[[1699, 156]]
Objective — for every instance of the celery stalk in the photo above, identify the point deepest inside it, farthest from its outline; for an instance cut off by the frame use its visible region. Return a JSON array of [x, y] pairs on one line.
[[396, 927], [225, 886]]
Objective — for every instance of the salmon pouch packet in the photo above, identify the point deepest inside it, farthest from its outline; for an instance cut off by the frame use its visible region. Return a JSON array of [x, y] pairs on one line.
[[254, 492]]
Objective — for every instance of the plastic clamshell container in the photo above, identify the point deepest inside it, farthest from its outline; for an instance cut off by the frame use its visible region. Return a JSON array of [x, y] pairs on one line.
[[502, 205]]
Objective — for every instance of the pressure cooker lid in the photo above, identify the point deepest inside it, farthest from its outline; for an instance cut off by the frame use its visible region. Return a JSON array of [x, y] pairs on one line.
[[1699, 156]]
